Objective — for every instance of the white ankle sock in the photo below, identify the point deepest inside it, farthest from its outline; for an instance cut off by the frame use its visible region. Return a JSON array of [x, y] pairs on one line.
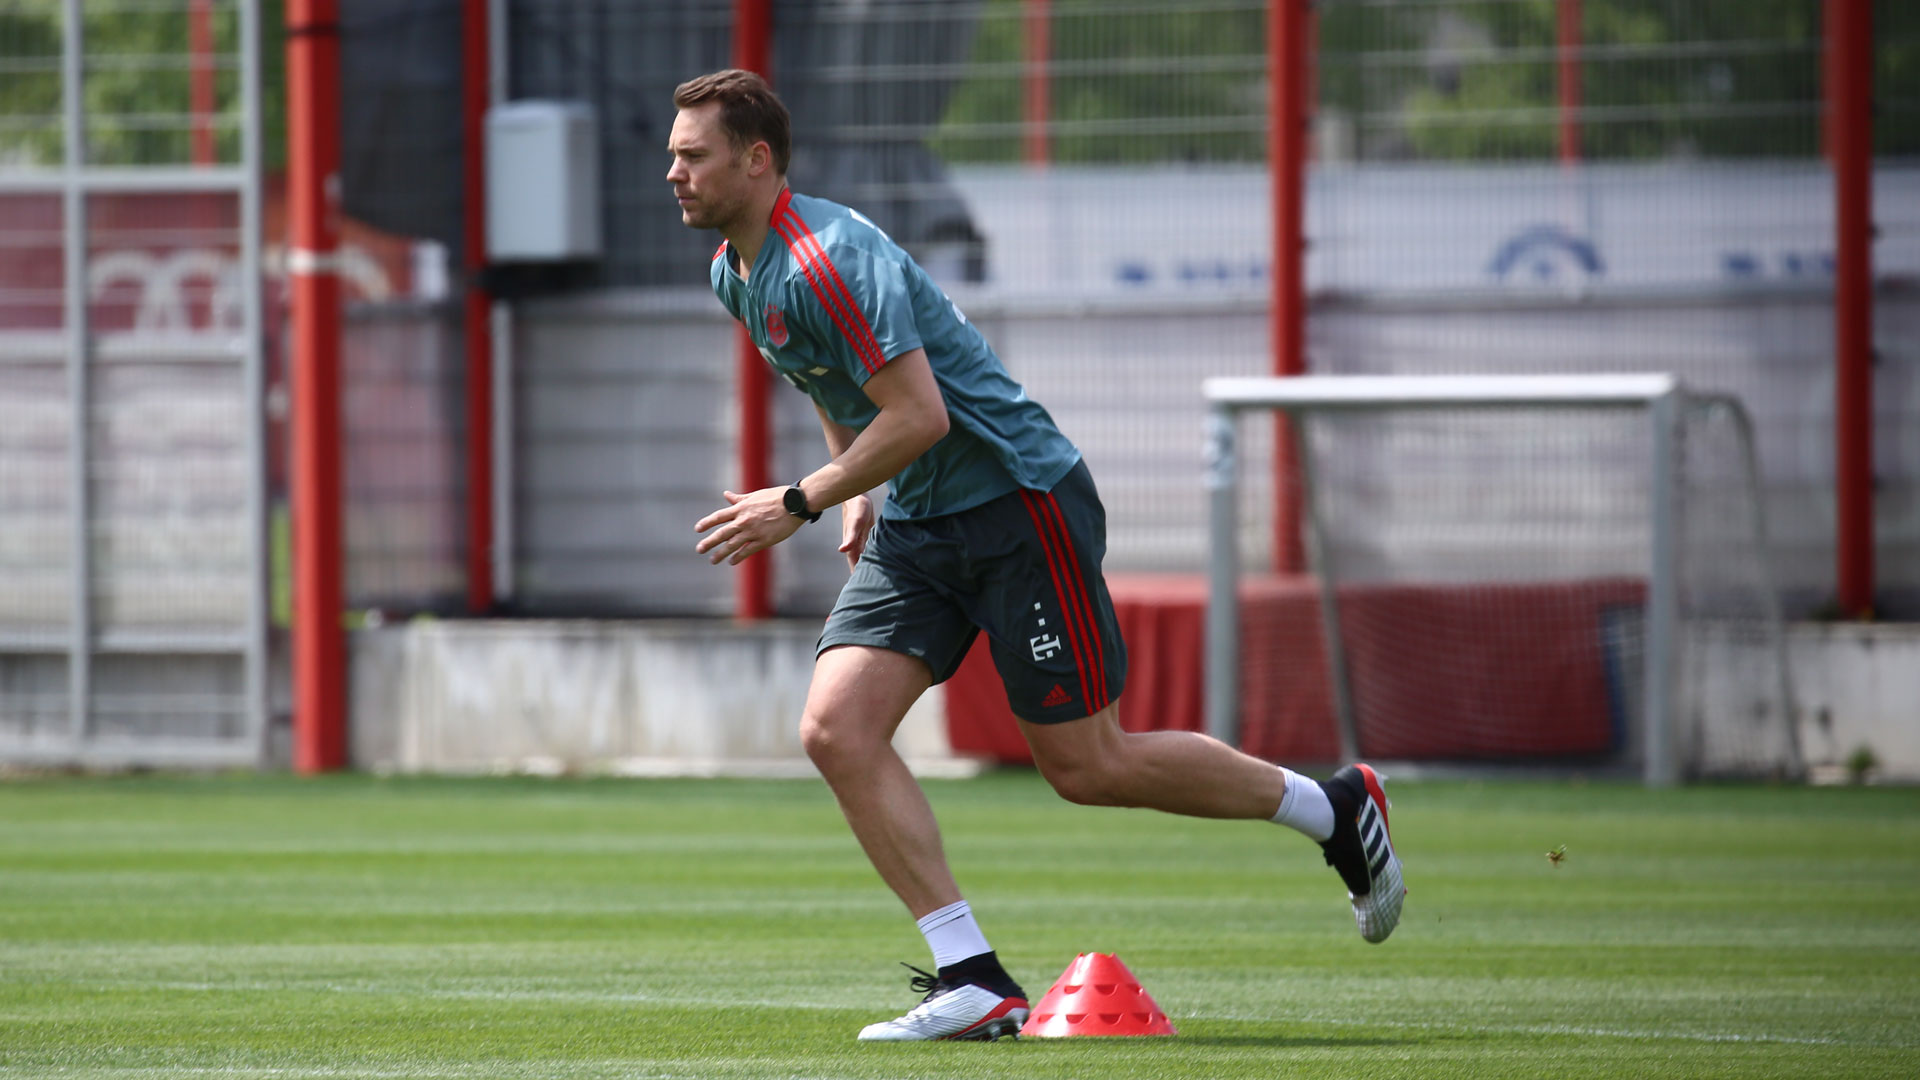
[[1305, 807], [953, 935]]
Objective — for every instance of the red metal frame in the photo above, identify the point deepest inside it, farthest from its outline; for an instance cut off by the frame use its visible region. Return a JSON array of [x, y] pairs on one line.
[[200, 92], [1849, 83], [478, 324], [1288, 57], [753, 588], [1037, 97], [313, 167], [1571, 38]]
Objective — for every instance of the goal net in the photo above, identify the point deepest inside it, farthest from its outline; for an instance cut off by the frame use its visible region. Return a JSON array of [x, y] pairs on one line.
[[1525, 569]]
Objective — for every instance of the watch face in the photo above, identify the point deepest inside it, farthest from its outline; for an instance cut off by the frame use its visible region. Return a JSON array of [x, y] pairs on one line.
[[796, 501]]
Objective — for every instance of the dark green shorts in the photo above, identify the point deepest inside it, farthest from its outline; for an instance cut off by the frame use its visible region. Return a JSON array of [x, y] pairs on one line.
[[1025, 568]]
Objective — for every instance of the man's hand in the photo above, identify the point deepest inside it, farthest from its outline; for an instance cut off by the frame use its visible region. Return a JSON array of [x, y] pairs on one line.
[[856, 521], [751, 523]]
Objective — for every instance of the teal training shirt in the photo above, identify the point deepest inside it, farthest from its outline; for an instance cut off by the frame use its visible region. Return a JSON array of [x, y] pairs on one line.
[[831, 299]]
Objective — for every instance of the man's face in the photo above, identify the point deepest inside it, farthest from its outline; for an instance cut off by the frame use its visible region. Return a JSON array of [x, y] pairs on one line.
[[709, 177]]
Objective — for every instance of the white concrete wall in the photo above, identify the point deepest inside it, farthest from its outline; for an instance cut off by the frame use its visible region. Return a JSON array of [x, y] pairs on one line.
[[1858, 685], [716, 698], [630, 698]]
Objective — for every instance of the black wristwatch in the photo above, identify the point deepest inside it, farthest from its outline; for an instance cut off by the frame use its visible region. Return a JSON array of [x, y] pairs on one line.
[[795, 501]]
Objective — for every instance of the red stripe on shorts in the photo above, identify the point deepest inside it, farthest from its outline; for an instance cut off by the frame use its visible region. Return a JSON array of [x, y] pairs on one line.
[[1054, 561], [1077, 583]]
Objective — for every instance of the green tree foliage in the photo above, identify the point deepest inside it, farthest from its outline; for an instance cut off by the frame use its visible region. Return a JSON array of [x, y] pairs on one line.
[[138, 83], [1658, 78], [30, 84], [1472, 80], [1131, 83]]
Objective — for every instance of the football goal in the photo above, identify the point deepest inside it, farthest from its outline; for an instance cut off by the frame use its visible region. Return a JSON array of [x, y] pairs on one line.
[[1566, 569]]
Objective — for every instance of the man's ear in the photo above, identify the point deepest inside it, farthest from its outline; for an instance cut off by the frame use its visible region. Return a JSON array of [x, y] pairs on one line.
[[759, 158]]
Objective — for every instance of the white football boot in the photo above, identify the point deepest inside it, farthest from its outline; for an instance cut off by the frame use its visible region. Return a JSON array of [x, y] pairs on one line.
[[954, 1010], [1361, 849]]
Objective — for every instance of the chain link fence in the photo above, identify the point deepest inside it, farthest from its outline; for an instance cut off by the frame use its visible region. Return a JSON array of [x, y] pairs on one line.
[[132, 579]]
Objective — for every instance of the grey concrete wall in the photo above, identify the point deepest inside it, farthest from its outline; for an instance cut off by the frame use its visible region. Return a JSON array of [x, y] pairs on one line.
[[625, 430], [633, 698], [712, 698], [167, 490], [625, 436]]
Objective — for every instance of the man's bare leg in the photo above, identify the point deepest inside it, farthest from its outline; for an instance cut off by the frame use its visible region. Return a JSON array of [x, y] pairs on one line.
[[1094, 761], [858, 697]]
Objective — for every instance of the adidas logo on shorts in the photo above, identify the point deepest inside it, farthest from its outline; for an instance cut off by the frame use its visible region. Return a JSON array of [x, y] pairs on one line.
[[1055, 697]]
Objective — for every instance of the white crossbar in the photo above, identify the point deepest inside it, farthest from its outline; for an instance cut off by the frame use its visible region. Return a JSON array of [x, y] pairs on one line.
[[1660, 394], [1325, 392]]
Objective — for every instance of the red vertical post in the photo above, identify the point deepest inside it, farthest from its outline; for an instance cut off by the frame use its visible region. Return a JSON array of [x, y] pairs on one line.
[[1037, 98], [200, 86], [1849, 32], [1287, 164], [478, 312], [313, 176], [1571, 37], [753, 588]]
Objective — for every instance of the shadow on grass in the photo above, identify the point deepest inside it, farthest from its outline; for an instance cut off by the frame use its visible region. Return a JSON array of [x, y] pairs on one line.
[[1279, 1042]]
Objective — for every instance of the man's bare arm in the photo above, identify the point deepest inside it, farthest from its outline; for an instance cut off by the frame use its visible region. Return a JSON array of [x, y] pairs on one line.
[[912, 417], [839, 436], [856, 513]]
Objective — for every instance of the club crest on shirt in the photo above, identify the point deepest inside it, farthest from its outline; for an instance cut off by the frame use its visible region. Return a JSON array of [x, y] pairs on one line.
[[776, 326]]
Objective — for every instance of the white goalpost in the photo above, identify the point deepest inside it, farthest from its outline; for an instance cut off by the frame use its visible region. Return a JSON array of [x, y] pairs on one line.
[[1497, 568]]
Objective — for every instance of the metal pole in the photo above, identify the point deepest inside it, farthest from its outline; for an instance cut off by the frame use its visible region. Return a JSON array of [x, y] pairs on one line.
[[313, 177], [1763, 561], [200, 91], [1223, 575], [253, 382], [501, 332], [1571, 37], [1663, 602], [1850, 131], [79, 392], [1038, 83], [1320, 554], [1287, 165], [753, 596], [477, 328]]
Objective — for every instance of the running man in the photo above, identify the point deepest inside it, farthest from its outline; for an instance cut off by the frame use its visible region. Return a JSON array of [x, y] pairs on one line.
[[991, 522]]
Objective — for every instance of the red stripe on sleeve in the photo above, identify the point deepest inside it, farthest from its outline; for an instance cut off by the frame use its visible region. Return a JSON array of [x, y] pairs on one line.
[[820, 291], [858, 333], [841, 287], [807, 248]]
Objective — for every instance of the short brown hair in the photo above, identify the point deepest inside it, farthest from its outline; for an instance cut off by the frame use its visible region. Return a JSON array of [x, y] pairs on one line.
[[749, 111]]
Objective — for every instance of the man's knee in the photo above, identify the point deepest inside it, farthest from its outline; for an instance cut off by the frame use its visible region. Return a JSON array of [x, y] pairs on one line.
[[1091, 780], [818, 738], [830, 744]]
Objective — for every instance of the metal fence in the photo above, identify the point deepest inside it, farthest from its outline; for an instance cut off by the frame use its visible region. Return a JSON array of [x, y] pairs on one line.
[[1605, 185], [1497, 185], [132, 574]]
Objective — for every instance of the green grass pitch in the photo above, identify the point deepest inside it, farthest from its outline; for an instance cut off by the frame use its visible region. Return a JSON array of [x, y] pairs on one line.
[[344, 927]]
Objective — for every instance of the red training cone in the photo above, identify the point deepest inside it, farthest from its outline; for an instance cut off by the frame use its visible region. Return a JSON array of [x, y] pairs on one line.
[[1097, 995]]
